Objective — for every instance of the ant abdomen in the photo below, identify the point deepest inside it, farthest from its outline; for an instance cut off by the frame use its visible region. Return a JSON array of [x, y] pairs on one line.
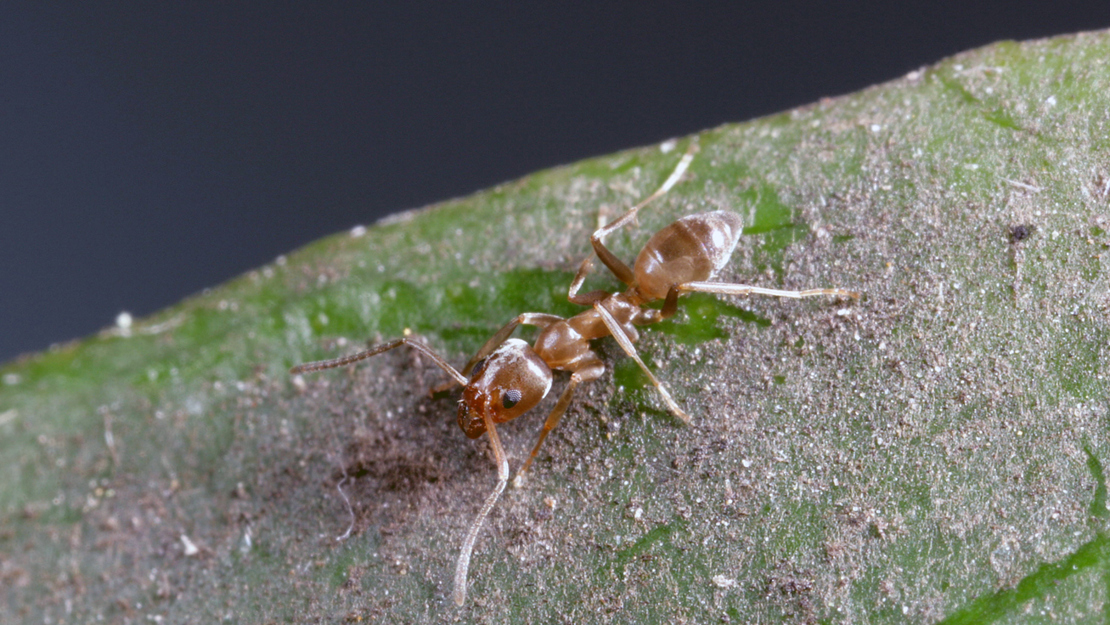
[[691, 249]]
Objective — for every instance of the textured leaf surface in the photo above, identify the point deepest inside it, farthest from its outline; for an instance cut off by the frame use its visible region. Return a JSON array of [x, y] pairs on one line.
[[932, 452]]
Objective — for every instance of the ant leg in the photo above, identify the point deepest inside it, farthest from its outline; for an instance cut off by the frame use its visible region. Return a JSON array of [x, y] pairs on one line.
[[622, 339], [587, 299], [670, 305], [541, 320], [463, 563], [533, 319], [589, 372], [619, 269], [346, 360], [725, 288]]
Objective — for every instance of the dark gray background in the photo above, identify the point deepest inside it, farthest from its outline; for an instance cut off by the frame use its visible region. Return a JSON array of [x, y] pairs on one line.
[[148, 150]]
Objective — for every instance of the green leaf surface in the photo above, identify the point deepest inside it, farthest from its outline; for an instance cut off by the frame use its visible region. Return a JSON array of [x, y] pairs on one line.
[[932, 453]]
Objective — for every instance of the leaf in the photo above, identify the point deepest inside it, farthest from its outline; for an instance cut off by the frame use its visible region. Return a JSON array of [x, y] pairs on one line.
[[933, 451]]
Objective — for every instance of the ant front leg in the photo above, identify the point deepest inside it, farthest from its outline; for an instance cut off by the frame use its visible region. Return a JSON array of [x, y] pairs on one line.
[[589, 371], [540, 320], [670, 306]]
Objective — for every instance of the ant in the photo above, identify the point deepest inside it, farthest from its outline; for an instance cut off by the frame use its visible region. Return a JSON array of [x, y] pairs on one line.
[[507, 377]]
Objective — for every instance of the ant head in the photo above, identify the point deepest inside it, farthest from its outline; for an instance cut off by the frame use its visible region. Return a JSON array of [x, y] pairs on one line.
[[504, 385]]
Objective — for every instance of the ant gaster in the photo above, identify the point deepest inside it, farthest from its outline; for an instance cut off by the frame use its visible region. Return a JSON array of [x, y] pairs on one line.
[[507, 377]]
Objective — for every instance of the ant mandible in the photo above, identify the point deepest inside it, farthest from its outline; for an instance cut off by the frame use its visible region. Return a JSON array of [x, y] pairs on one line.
[[507, 377]]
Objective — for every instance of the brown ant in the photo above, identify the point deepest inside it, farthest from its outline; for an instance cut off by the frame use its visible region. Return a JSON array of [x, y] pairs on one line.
[[507, 377]]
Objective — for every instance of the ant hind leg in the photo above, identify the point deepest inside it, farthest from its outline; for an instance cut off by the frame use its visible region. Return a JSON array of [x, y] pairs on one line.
[[725, 288]]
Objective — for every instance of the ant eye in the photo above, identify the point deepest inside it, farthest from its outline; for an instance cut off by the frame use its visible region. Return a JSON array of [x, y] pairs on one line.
[[510, 398]]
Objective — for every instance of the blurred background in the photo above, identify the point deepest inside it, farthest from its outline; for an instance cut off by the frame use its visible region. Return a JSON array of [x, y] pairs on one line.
[[150, 150]]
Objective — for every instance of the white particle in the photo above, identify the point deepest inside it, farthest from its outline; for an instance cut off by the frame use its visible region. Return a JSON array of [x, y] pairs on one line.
[[720, 581], [190, 548]]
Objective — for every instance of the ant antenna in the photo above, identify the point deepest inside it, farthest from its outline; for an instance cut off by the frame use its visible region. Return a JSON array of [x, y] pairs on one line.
[[463, 564], [350, 510], [320, 365]]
